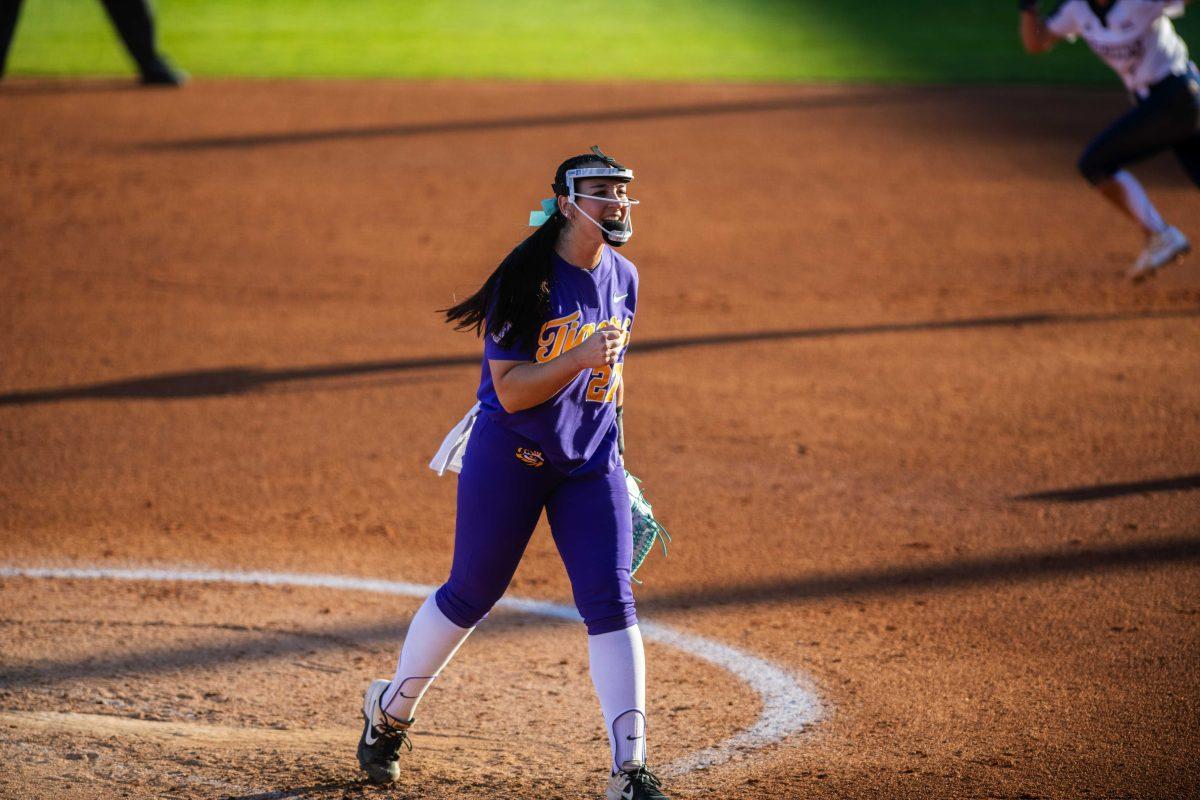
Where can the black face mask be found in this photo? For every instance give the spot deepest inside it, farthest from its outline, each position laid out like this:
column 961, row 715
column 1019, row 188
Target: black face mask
column 622, row 227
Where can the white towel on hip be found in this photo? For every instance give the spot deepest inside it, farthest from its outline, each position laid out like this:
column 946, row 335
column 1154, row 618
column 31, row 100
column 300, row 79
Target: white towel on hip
column 449, row 455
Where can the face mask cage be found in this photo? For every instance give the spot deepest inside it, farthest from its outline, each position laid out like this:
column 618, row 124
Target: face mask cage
column 616, row 232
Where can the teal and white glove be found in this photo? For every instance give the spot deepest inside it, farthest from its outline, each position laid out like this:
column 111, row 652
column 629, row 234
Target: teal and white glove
column 646, row 530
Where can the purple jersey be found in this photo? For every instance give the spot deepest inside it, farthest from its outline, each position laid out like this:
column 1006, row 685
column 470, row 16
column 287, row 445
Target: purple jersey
column 575, row 428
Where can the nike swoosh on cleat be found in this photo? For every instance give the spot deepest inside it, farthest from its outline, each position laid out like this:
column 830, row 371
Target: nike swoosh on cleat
column 632, row 738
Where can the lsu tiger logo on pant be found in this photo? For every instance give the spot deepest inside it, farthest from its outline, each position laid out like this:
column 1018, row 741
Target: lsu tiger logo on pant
column 533, row 458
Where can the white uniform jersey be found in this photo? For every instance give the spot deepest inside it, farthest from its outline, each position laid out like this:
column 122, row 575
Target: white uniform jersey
column 1135, row 37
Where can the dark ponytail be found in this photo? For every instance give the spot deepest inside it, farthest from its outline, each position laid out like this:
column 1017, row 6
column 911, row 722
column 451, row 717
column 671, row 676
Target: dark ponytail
column 515, row 300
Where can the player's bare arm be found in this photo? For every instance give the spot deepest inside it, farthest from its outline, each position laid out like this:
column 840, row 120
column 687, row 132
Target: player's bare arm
column 525, row 384
column 1035, row 36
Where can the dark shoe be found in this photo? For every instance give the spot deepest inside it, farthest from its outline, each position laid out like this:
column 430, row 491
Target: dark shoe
column 382, row 737
column 634, row 782
column 161, row 73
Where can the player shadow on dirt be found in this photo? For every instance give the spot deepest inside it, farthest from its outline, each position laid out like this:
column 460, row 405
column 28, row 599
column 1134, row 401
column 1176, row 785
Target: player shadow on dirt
column 841, row 99
column 225, row 381
column 40, row 87
column 963, row 572
column 328, row 788
column 243, row 380
column 298, row 647
column 1059, row 119
column 1106, row 491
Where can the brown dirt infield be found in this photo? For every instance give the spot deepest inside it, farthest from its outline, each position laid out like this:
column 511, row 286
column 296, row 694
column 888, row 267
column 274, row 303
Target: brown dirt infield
column 916, row 438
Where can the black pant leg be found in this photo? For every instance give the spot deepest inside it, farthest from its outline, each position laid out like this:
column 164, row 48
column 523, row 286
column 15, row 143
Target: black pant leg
column 1121, row 143
column 135, row 24
column 1157, row 123
column 1188, row 153
column 9, row 11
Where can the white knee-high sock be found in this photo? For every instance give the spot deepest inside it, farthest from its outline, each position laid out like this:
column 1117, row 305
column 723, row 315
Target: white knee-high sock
column 431, row 642
column 1138, row 203
column 618, row 666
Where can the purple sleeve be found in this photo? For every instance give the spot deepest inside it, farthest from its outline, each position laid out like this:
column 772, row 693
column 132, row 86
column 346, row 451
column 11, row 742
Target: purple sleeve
column 493, row 350
column 631, row 301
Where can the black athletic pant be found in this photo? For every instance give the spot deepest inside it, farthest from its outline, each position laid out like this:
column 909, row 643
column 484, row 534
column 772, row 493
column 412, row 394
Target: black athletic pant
column 1169, row 116
column 132, row 19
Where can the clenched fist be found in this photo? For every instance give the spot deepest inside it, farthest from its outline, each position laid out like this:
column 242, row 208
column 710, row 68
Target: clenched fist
column 600, row 349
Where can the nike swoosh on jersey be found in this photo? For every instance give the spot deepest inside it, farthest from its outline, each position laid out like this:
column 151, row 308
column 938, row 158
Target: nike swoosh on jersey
column 616, row 298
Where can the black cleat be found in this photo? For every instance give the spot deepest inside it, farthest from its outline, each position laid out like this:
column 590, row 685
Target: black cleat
column 160, row 73
column 382, row 737
column 634, row 782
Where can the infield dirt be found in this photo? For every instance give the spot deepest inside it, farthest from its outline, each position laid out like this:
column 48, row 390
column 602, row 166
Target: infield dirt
column 914, row 435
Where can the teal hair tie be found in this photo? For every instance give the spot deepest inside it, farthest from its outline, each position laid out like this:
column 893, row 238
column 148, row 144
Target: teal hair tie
column 538, row 218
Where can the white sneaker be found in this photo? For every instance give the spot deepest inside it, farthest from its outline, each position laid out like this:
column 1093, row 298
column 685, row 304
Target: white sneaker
column 1161, row 249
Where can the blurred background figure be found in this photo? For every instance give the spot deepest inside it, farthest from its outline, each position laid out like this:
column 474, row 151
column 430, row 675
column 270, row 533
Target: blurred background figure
column 1140, row 44
column 133, row 20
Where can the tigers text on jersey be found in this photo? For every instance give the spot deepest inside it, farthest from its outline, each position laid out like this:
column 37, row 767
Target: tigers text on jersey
column 1134, row 37
column 576, row 428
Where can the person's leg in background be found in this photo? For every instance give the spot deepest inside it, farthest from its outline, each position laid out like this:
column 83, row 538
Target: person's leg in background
column 1159, row 121
column 1188, row 151
column 10, row 10
column 134, row 22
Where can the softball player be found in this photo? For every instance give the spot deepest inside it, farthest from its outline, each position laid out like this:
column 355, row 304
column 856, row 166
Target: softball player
column 1135, row 38
column 555, row 317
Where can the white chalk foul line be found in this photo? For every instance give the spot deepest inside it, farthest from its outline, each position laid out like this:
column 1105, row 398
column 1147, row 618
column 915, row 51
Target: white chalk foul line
column 789, row 703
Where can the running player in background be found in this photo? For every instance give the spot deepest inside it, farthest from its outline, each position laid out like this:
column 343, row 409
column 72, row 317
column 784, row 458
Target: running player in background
column 134, row 21
column 555, row 318
column 1135, row 38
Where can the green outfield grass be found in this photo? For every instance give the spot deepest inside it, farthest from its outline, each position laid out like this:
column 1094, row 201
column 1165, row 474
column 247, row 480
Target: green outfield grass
column 743, row 40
